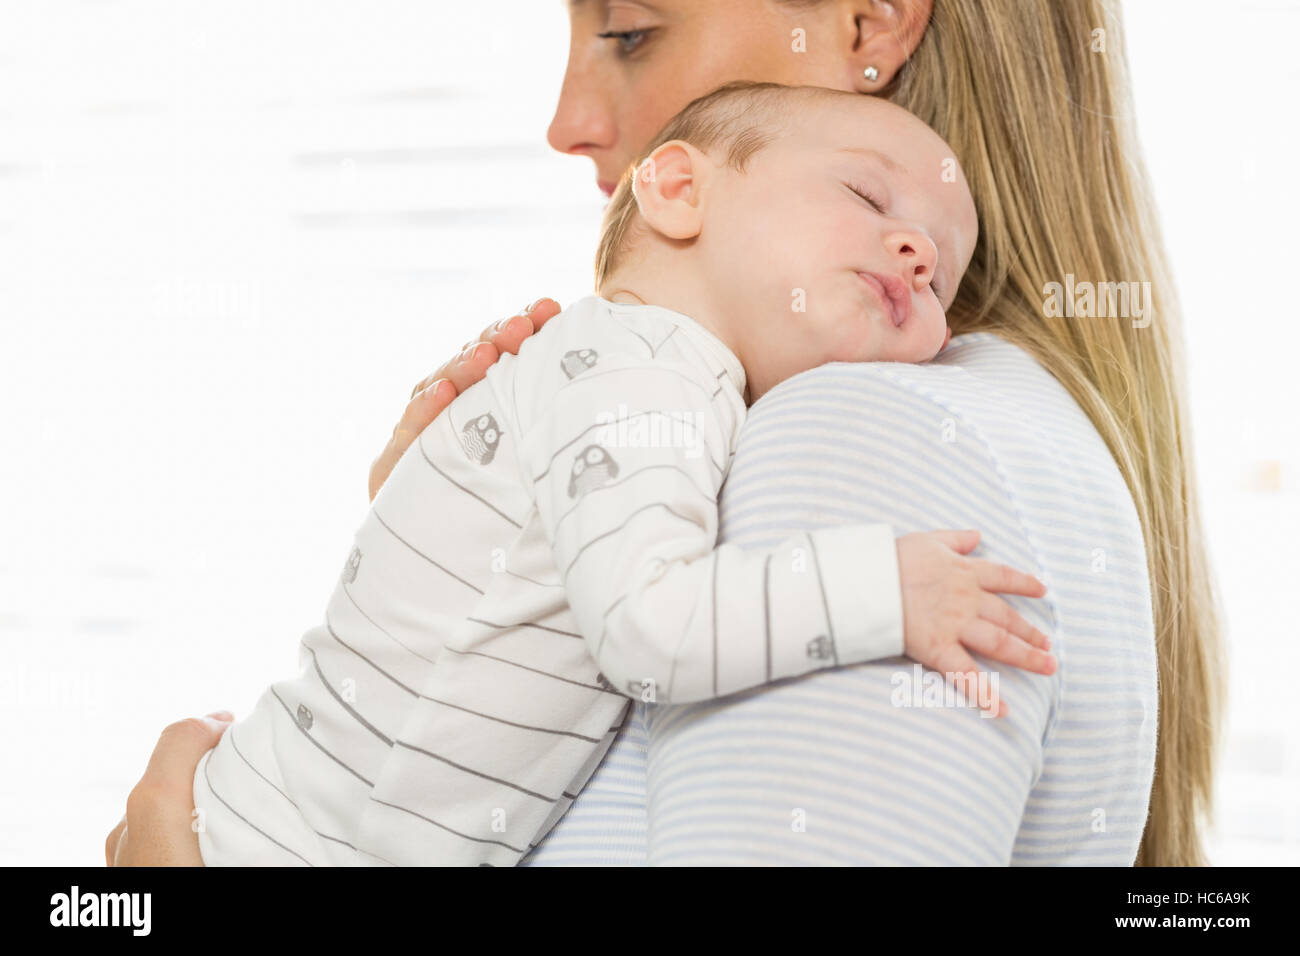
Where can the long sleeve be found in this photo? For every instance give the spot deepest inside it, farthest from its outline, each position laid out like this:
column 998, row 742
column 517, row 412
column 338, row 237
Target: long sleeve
column 626, row 464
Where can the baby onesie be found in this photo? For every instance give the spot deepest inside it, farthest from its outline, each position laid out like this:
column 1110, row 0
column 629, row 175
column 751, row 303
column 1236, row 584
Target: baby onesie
column 543, row 552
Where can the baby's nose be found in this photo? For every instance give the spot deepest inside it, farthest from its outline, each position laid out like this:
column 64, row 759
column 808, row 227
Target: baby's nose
column 918, row 254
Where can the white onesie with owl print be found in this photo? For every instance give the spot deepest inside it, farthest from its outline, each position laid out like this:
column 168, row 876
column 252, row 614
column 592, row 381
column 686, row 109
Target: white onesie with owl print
column 544, row 551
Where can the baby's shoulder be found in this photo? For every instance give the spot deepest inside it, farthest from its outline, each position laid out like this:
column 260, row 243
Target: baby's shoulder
column 595, row 349
column 592, row 327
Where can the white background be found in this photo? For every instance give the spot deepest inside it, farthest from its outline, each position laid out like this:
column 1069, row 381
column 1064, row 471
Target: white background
column 233, row 236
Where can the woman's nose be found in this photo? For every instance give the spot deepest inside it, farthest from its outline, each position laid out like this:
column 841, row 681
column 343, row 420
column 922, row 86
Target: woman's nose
column 916, row 254
column 583, row 123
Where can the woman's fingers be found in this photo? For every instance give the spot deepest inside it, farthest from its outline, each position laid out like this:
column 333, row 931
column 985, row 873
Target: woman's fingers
column 542, row 311
column 1006, row 580
column 510, row 333
column 160, row 808
column 433, row 393
column 993, row 608
column 471, row 365
column 178, row 751
column 999, row 644
column 113, row 841
column 419, row 412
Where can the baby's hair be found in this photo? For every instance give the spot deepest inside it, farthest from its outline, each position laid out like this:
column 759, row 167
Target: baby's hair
column 736, row 120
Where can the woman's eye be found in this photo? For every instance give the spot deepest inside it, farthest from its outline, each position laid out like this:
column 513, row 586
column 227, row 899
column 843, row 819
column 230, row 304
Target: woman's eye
column 628, row 40
column 874, row 203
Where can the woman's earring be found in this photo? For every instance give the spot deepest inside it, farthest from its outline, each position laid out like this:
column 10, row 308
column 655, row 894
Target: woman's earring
column 871, row 73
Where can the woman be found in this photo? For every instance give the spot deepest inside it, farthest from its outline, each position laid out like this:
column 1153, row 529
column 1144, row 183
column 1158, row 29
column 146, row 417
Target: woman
column 1063, row 439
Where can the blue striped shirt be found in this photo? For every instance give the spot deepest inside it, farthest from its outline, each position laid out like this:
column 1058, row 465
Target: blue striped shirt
column 844, row 766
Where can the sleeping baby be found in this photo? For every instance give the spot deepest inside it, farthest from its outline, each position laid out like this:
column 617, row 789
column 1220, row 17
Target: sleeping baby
column 547, row 549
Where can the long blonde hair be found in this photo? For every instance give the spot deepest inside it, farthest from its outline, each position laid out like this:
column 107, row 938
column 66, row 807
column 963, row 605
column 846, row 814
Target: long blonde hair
column 1034, row 98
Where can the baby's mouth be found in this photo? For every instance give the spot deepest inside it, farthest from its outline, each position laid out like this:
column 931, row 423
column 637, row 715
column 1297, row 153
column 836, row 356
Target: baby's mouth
column 892, row 292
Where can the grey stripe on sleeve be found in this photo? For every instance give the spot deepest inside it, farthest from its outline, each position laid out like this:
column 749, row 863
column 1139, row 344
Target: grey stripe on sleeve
column 334, row 634
column 443, row 826
column 609, row 424
column 821, row 584
column 626, row 522
column 380, row 628
column 710, row 498
column 323, row 836
column 467, row 491
column 344, row 704
column 511, row 723
column 476, row 773
column 250, row 823
column 604, row 628
column 502, row 660
column 315, row 743
column 423, row 555
column 540, row 584
column 539, row 627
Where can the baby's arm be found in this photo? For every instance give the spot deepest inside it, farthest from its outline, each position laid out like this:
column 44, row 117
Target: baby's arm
column 667, row 614
column 670, row 616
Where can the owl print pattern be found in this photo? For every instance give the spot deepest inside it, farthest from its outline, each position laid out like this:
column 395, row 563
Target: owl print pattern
column 480, row 438
column 592, row 468
column 577, row 361
column 350, row 569
column 820, row 648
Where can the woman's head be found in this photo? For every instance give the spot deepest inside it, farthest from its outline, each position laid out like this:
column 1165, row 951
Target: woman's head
column 633, row 65
column 1033, row 96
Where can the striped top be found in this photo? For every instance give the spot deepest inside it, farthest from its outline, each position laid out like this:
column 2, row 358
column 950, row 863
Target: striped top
column 544, row 551
column 841, row 766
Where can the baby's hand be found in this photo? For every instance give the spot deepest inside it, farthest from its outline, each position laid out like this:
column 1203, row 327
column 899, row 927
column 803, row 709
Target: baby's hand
column 949, row 607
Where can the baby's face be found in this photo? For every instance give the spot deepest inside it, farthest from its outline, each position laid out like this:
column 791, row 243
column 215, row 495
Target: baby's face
column 843, row 241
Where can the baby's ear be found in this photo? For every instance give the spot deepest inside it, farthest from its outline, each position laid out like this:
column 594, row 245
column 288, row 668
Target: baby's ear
column 668, row 187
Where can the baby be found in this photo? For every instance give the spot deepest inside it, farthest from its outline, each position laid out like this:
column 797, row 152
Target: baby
column 547, row 548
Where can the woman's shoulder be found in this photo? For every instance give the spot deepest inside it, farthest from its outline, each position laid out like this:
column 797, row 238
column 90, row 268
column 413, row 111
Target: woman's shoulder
column 984, row 413
column 979, row 379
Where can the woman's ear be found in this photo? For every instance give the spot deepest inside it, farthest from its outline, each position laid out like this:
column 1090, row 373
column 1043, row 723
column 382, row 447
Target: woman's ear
column 670, row 187
column 887, row 34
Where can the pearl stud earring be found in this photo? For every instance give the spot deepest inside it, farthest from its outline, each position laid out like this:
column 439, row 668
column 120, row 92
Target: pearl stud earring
column 871, row 73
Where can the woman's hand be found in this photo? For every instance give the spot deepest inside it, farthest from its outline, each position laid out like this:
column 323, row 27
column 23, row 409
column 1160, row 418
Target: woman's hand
column 156, row 830
column 436, row 391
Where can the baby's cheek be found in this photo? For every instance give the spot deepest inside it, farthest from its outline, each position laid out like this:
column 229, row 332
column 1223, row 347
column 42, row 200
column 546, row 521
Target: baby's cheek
column 932, row 330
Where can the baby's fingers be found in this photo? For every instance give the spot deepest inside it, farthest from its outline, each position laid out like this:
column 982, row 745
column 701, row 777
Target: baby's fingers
column 999, row 644
column 998, row 611
column 1007, row 580
column 960, row 670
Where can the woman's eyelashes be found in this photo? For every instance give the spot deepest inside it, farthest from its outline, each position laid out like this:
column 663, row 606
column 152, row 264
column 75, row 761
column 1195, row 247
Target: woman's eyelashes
column 629, row 41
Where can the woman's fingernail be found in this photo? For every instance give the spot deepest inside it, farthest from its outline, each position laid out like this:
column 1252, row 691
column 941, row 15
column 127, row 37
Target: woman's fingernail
column 477, row 352
column 224, row 716
column 534, row 304
column 501, row 326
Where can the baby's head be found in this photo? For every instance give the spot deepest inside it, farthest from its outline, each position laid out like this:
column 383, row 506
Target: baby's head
column 801, row 225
